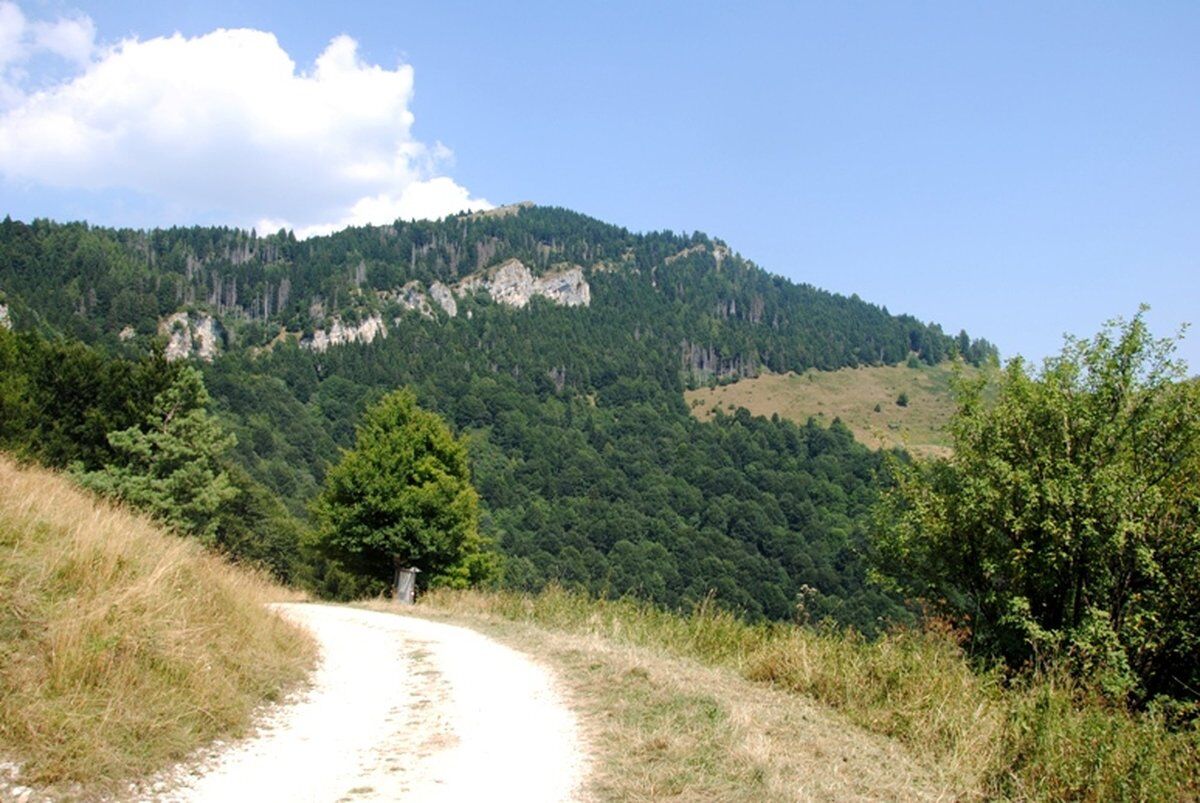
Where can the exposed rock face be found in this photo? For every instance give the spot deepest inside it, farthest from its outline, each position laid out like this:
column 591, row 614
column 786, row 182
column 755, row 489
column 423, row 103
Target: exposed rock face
column 567, row 288
column 126, row 334
column 339, row 333
column 505, row 211
column 720, row 253
column 4, row 322
column 444, row 298
column 411, row 298
column 196, row 335
column 512, row 284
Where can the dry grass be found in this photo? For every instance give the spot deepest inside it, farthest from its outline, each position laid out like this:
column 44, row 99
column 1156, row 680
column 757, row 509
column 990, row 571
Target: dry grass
column 851, row 394
column 123, row 648
column 907, row 694
column 662, row 727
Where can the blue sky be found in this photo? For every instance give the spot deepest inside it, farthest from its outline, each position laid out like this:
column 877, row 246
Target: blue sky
column 1020, row 170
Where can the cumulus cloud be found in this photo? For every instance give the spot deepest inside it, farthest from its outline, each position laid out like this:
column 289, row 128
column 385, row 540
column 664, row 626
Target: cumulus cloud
column 224, row 124
column 71, row 38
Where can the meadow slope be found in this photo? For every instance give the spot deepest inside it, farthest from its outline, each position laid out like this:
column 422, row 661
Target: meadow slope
column 864, row 398
column 125, row 648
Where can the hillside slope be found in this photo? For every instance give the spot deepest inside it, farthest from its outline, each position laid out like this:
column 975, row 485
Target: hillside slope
column 685, row 297
column 560, row 344
column 666, row 724
column 866, row 399
column 124, row 648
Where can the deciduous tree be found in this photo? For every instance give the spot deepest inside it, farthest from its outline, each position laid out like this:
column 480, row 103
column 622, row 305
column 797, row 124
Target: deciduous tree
column 1067, row 521
column 402, row 497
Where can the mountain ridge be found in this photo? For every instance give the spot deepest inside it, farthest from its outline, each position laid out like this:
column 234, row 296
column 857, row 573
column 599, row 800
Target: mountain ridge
column 128, row 280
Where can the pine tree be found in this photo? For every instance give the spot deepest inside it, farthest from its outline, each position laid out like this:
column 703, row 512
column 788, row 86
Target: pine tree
column 170, row 464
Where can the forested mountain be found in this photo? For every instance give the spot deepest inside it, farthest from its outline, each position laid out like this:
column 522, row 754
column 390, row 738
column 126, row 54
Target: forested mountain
column 560, row 344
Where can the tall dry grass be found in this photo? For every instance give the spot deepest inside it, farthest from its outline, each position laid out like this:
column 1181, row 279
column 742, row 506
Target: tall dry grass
column 1043, row 738
column 123, row 648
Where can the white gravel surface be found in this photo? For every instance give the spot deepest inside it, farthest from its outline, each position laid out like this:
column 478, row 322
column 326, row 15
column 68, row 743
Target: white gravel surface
column 402, row 709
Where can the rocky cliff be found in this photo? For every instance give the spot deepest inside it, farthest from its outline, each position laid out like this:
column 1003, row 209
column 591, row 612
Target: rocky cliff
column 191, row 335
column 340, row 333
column 513, row 284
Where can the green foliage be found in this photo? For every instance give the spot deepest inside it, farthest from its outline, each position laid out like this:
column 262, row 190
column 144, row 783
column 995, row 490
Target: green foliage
column 60, row 399
column 170, row 464
column 403, row 498
column 902, row 399
column 715, row 314
column 1066, row 523
column 59, row 403
column 590, row 471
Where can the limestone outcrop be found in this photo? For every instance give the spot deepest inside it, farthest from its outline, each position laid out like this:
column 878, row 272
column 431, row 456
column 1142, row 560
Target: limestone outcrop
column 340, row 333
column 510, row 283
column 443, row 296
column 196, row 335
column 513, row 284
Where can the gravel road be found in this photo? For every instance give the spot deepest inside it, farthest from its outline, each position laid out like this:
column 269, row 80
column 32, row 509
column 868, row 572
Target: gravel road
column 402, row 709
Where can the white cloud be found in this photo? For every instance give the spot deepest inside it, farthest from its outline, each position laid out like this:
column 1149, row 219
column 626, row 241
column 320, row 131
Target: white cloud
column 12, row 33
column 71, row 38
column 225, row 125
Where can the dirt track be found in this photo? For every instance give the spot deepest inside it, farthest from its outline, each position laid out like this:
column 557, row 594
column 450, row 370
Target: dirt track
column 403, row 709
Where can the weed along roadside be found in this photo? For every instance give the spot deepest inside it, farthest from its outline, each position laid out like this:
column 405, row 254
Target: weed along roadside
column 705, row 706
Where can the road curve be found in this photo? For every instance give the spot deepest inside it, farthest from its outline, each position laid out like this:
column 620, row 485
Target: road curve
column 402, row 708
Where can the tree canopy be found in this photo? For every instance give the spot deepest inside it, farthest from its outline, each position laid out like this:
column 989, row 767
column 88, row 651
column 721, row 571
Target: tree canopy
column 169, row 464
column 1067, row 521
column 402, row 497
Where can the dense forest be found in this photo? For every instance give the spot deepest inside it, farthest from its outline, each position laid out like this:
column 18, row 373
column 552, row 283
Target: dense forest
column 590, row 470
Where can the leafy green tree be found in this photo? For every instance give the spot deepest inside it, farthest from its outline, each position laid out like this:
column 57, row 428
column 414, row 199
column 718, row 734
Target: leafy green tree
column 170, row 464
column 1067, row 521
column 402, row 497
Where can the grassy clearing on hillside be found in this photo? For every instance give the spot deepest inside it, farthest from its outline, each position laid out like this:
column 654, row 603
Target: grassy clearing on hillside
column 1041, row 739
column 851, row 394
column 123, row 648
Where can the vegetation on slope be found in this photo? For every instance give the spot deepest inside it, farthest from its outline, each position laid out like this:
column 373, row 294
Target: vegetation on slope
column 684, row 295
column 591, row 472
column 1066, row 525
column 866, row 399
column 139, row 429
column 403, row 499
column 123, row 648
column 1043, row 737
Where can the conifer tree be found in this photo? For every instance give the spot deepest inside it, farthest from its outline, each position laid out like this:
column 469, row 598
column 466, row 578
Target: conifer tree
column 170, row 464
